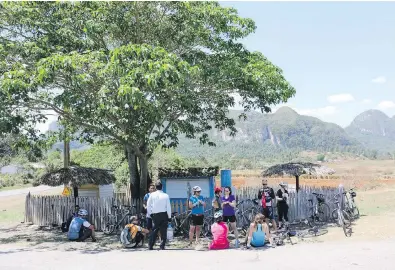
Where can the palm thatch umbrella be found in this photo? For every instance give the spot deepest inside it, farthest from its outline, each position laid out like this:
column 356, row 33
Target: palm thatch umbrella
column 77, row 176
column 297, row 169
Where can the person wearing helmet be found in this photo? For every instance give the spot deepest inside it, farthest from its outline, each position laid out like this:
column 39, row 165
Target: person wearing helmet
column 282, row 204
column 217, row 202
column 80, row 229
column 220, row 233
column 197, row 204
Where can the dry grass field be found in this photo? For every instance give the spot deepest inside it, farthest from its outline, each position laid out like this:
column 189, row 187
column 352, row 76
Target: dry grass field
column 362, row 174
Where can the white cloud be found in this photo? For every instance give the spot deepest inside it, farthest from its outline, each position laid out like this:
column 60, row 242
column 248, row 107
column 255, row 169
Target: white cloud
column 380, row 80
column 340, row 98
column 318, row 112
column 386, row 104
column 366, row 101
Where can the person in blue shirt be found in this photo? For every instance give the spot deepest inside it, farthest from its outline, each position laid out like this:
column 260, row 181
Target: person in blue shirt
column 80, row 229
column 259, row 232
column 145, row 199
column 197, row 204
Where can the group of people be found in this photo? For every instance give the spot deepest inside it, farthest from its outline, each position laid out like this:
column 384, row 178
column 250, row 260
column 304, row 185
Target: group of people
column 158, row 211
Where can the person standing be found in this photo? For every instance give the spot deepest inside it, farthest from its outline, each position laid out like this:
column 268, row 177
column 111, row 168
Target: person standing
column 217, row 201
column 282, row 204
column 267, row 196
column 145, row 200
column 229, row 205
column 159, row 209
column 197, row 204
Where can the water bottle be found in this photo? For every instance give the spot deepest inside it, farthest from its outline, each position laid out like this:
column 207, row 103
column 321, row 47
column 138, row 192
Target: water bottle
column 170, row 232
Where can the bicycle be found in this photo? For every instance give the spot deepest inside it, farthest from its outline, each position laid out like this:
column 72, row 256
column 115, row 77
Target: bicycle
column 116, row 221
column 350, row 205
column 244, row 215
column 342, row 217
column 320, row 212
column 180, row 223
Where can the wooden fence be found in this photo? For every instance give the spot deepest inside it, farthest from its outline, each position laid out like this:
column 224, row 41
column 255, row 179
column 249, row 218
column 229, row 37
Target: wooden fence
column 54, row 210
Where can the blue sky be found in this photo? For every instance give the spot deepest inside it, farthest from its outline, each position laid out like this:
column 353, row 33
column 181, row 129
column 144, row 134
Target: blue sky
column 340, row 56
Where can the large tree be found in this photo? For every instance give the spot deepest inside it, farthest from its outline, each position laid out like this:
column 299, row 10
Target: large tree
column 137, row 73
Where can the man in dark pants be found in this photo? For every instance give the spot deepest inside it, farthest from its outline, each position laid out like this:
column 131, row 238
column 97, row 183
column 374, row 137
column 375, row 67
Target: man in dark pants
column 159, row 209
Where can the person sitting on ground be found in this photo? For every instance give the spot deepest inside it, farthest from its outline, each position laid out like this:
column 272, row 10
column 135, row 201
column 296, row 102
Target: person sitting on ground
column 133, row 234
column 66, row 225
column 220, row 233
column 217, row 201
column 258, row 232
column 80, row 229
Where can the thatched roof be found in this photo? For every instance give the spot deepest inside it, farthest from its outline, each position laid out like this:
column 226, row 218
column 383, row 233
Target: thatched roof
column 77, row 176
column 297, row 169
column 188, row 172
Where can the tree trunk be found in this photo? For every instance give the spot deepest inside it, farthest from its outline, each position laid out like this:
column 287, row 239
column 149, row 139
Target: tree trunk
column 134, row 179
column 144, row 173
column 66, row 153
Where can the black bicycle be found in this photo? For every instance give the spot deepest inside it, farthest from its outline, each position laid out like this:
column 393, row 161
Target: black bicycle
column 320, row 212
column 114, row 222
column 349, row 204
column 181, row 223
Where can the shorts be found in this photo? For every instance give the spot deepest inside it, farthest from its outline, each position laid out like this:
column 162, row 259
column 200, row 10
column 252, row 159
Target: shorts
column 230, row 219
column 268, row 212
column 149, row 223
column 197, row 220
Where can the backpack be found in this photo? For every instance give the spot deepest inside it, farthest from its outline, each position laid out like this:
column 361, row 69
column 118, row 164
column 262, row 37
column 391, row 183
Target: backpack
column 131, row 236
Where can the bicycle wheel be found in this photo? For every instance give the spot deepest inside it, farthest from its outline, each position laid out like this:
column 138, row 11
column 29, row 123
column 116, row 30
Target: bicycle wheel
column 344, row 223
column 323, row 212
column 313, row 232
column 109, row 224
column 355, row 212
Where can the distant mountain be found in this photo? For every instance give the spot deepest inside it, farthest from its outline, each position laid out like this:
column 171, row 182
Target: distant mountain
column 269, row 134
column 375, row 130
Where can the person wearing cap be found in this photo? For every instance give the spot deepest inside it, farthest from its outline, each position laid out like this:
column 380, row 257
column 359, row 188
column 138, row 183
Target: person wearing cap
column 267, row 197
column 217, row 201
column 197, row 204
column 220, row 233
column 282, row 204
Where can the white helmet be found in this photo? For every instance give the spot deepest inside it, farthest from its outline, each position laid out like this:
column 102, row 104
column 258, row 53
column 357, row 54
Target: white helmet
column 82, row 212
column 196, row 189
column 283, row 184
column 218, row 214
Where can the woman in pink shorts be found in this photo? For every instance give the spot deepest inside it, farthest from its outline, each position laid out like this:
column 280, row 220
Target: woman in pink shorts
column 220, row 233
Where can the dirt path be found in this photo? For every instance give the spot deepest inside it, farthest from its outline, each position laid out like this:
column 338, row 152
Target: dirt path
column 335, row 255
column 21, row 191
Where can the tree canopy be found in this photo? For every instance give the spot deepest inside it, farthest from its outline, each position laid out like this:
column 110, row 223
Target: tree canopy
column 135, row 73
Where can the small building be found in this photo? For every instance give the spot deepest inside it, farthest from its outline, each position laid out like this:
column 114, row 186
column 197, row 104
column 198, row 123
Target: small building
column 178, row 183
column 83, row 182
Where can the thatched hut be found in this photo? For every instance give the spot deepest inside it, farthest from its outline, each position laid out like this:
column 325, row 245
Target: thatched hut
column 297, row 169
column 85, row 182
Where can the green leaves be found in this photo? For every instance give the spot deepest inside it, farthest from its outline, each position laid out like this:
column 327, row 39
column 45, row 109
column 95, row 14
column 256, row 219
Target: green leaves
column 137, row 73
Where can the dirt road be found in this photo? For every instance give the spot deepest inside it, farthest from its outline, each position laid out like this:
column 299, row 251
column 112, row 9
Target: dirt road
column 335, row 255
column 21, row 191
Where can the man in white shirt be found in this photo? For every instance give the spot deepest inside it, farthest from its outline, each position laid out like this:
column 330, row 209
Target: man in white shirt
column 159, row 209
